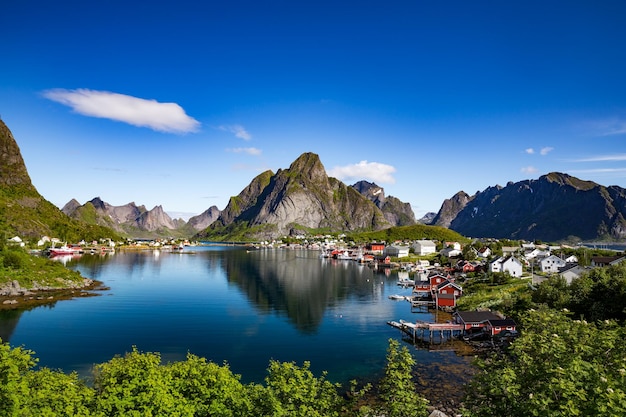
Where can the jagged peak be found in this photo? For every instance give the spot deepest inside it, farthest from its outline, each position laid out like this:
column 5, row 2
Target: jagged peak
column 308, row 164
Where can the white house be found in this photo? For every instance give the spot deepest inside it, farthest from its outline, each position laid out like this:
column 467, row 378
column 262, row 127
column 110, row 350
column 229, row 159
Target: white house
column 450, row 252
column 484, row 252
column 454, row 245
column 572, row 259
column 424, row 247
column 572, row 272
column 510, row 264
column 396, row 251
column 551, row 264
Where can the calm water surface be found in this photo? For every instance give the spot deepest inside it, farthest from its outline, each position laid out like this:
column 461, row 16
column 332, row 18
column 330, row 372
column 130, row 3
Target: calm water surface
column 225, row 304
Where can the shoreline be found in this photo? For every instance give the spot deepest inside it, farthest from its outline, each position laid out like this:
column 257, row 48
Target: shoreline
column 25, row 299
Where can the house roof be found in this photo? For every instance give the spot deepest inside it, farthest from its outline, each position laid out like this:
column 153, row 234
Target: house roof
column 477, row 316
column 607, row 259
column 502, row 322
column 450, row 283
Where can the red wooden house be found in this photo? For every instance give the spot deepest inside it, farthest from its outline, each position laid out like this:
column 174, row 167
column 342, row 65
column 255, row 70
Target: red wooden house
column 435, row 280
column 447, row 293
column 495, row 327
column 382, row 260
column 375, row 248
column 474, row 320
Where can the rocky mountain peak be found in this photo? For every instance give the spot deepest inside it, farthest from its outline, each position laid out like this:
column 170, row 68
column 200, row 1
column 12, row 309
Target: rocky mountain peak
column 372, row 191
column 300, row 197
column 12, row 168
column 309, row 166
column 205, row 219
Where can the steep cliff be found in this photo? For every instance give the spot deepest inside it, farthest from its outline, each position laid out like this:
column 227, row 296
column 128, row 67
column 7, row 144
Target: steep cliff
column 23, row 211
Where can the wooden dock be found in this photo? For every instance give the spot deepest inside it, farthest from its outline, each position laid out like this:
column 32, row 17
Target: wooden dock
column 427, row 332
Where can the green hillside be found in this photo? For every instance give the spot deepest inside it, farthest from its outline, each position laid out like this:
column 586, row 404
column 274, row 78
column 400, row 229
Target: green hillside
column 413, row 232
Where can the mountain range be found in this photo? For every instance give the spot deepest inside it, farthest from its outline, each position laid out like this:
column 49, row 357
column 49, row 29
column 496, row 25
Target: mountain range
column 303, row 198
column 137, row 221
column 553, row 207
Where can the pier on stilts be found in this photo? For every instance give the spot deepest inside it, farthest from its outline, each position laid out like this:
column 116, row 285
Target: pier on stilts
column 427, row 332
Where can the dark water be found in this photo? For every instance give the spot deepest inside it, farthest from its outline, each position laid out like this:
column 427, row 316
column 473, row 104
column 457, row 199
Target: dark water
column 226, row 304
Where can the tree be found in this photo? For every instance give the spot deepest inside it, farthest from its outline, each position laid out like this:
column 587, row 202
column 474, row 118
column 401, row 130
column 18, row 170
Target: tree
column 53, row 393
column 137, row 385
column 14, row 364
column 397, row 389
column 294, row 391
column 558, row 367
column 212, row 389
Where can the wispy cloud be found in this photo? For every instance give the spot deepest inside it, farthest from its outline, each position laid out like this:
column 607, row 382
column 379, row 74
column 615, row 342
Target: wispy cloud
column 237, row 130
column 546, row 150
column 599, row 171
column 609, row 127
column 162, row 117
column 373, row 171
column 603, row 158
column 529, row 151
column 249, row 151
column 529, row 170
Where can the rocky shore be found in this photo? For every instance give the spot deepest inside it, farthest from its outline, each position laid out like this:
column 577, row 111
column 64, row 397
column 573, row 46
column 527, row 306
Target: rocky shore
column 14, row 296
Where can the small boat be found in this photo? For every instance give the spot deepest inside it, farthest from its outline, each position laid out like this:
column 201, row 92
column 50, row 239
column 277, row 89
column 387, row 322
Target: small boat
column 62, row 250
column 406, row 282
column 397, row 297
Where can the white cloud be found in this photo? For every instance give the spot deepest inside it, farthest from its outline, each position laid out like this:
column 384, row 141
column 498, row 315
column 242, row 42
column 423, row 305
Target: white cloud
column 530, row 151
column 163, row 117
column 546, row 150
column 603, row 158
column 373, row 171
column 249, row 151
column 238, row 130
column 529, row 170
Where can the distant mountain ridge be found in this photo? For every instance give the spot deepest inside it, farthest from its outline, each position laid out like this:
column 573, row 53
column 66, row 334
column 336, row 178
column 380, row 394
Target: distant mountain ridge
column 136, row 221
column 299, row 198
column 554, row 207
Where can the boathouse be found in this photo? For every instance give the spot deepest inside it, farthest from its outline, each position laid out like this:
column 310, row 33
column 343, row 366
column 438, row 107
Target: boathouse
column 494, row 327
column 474, row 320
column 447, row 293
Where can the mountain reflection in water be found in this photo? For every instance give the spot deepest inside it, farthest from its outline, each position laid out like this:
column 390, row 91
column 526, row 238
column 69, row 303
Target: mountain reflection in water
column 225, row 304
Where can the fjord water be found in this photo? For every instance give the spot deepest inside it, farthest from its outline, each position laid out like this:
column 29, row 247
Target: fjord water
column 227, row 304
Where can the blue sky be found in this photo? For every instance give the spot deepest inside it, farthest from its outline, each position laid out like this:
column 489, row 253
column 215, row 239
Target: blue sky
column 182, row 103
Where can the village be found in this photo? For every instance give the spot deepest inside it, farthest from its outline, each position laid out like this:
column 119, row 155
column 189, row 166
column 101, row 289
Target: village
column 438, row 283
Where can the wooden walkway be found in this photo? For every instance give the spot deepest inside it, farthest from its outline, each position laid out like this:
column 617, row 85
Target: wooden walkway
column 426, row 332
